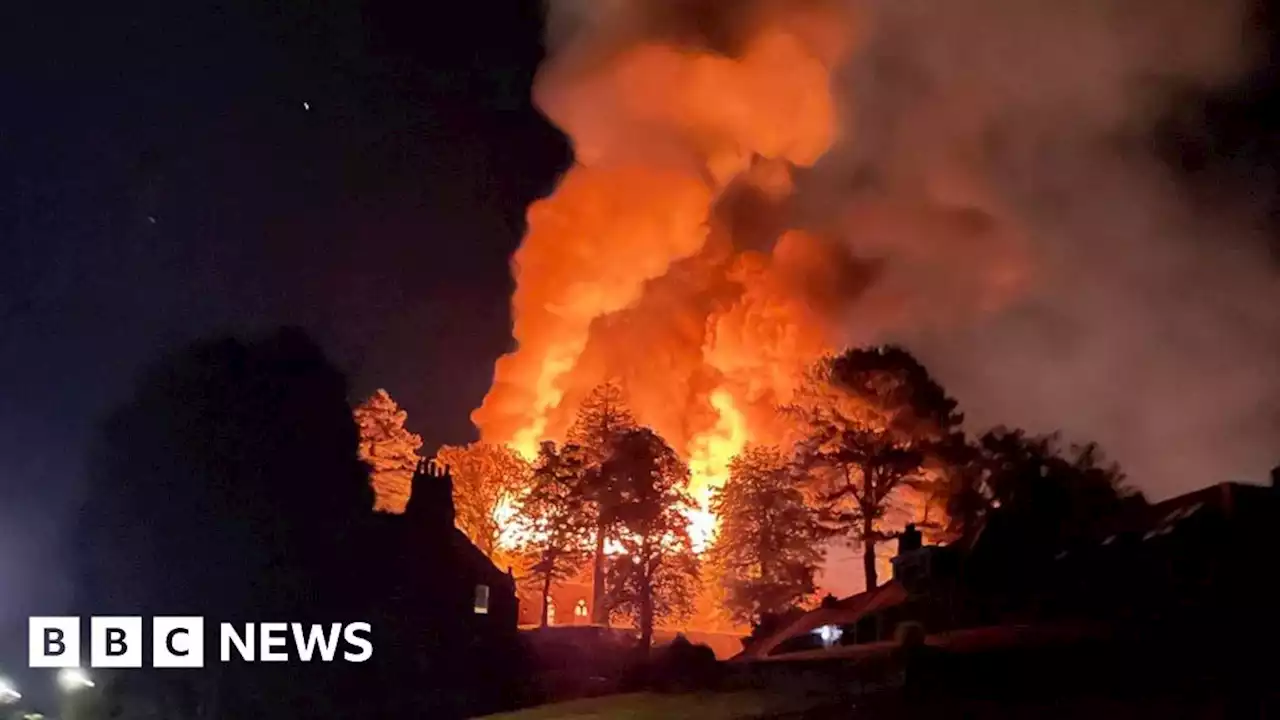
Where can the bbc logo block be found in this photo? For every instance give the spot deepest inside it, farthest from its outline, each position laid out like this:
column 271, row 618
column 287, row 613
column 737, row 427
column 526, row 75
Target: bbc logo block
column 179, row 642
column 53, row 642
column 115, row 642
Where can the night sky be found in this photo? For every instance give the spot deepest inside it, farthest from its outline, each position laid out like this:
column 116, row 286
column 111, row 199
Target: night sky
column 170, row 170
column 161, row 179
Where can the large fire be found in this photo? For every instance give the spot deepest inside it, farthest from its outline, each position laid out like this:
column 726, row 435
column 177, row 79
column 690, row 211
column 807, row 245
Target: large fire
column 664, row 259
column 747, row 169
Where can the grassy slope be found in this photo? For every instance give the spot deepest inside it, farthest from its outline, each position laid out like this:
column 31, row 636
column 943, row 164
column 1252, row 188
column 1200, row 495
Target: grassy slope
column 643, row 706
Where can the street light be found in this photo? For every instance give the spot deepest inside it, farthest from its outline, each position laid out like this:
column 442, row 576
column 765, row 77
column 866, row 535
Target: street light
column 73, row 679
column 8, row 693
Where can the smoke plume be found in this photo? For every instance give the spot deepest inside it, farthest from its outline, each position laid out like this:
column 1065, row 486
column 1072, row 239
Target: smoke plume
column 1092, row 295
column 759, row 182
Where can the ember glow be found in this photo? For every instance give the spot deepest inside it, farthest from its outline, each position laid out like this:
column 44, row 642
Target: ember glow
column 663, row 260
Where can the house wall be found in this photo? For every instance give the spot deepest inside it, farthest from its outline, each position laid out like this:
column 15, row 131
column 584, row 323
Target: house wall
column 571, row 601
column 439, row 654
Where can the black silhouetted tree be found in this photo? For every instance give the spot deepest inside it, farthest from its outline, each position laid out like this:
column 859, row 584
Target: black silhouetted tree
column 1052, row 494
column 229, row 485
column 872, row 419
column 557, row 520
column 770, row 542
column 655, row 576
column 390, row 450
column 602, row 418
column 488, row 482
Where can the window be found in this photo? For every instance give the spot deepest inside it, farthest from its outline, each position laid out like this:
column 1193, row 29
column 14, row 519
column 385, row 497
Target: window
column 551, row 611
column 580, row 610
column 482, row 599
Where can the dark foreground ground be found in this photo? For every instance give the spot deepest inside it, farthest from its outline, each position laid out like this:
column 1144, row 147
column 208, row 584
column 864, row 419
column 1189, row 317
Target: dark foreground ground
column 1093, row 677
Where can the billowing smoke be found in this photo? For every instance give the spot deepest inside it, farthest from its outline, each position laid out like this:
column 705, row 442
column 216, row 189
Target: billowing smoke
column 758, row 182
column 669, row 257
column 1099, row 299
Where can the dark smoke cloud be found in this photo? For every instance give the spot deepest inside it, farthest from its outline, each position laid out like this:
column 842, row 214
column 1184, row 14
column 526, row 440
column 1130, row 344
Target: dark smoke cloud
column 1086, row 292
column 997, row 165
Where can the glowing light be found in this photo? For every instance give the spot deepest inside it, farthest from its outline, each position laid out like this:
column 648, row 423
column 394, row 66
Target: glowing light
column 512, row 533
column 829, row 634
column 72, row 679
column 8, row 693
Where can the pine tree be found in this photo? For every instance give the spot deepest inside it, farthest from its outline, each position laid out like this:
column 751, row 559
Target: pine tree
column 559, row 520
column 602, row 418
column 872, row 420
column 488, row 482
column 770, row 541
column 656, row 576
column 389, row 449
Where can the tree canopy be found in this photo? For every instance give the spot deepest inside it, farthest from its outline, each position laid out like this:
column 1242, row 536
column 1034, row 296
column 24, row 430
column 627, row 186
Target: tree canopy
column 1053, row 494
column 242, row 456
column 602, row 418
column 488, row 481
column 557, row 519
column 655, row 577
column 390, row 450
column 229, row 485
column 871, row 419
column 770, row 541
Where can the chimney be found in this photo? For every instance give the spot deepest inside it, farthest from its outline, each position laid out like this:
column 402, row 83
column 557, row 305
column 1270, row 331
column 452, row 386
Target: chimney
column 1275, row 477
column 910, row 567
column 910, row 539
column 431, row 495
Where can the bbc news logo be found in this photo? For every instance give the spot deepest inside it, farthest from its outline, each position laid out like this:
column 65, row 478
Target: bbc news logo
column 178, row 642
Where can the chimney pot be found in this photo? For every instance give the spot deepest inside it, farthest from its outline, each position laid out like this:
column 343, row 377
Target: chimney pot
column 910, row 539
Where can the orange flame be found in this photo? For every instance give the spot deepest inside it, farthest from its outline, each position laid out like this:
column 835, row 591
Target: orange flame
column 709, row 457
column 663, row 258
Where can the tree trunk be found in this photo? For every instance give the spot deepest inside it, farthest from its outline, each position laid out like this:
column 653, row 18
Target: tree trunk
column 869, row 554
column 546, row 593
column 598, row 614
column 646, row 618
column 646, row 601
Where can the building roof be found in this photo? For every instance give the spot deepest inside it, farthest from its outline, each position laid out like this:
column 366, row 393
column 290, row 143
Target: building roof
column 966, row 640
column 844, row 612
column 1236, row 502
column 1233, row 502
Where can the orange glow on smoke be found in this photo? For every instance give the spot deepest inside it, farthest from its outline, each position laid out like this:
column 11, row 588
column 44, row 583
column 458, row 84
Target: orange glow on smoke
column 664, row 259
